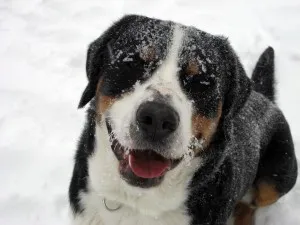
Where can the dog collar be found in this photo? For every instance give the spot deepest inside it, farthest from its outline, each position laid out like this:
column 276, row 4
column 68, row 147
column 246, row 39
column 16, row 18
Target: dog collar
column 112, row 206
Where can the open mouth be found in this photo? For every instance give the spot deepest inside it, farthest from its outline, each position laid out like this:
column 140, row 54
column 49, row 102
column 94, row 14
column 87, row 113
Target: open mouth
column 141, row 167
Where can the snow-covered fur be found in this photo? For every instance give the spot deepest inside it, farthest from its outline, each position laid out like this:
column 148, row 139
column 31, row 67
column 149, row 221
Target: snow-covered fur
column 230, row 140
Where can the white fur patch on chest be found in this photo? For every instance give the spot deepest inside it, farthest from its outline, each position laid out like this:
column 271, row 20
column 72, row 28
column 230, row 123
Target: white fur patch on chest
column 163, row 205
column 96, row 214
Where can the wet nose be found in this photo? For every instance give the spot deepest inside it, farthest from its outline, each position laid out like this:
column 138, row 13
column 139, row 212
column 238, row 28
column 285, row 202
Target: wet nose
column 156, row 120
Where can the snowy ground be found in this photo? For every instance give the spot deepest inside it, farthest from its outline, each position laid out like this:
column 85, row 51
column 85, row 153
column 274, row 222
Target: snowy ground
column 42, row 60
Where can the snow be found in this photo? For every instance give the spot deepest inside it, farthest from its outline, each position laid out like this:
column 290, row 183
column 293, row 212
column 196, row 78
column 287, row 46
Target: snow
column 42, row 64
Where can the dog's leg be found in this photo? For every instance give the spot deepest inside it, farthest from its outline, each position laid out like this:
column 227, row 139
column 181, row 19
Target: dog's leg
column 244, row 211
column 266, row 194
column 243, row 214
column 277, row 171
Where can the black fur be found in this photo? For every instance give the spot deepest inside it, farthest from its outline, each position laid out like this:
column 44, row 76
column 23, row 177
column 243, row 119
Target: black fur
column 98, row 54
column 280, row 143
column 277, row 163
column 263, row 74
column 80, row 172
column 253, row 142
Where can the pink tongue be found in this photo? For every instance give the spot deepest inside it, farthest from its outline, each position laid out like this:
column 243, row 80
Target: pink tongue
column 147, row 167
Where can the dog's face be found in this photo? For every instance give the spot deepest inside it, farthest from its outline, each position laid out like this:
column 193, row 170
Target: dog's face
column 160, row 90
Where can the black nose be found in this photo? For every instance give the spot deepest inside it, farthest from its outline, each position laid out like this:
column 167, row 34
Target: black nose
column 156, row 120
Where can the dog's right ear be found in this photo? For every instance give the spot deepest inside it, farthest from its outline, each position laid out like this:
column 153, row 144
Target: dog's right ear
column 98, row 53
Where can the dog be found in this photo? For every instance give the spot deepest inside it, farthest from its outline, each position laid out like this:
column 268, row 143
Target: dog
column 175, row 132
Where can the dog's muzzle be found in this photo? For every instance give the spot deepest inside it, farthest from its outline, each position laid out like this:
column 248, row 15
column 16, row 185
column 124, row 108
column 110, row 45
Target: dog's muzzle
column 145, row 163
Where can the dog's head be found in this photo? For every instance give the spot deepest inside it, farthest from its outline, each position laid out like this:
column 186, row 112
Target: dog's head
column 162, row 91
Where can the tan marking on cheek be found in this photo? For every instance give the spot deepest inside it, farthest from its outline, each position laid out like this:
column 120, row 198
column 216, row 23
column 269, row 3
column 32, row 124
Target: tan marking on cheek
column 265, row 194
column 103, row 102
column 192, row 68
column 243, row 214
column 148, row 54
column 204, row 128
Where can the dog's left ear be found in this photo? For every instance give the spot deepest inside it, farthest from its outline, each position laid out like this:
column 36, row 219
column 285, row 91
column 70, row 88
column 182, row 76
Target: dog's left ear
column 98, row 53
column 237, row 85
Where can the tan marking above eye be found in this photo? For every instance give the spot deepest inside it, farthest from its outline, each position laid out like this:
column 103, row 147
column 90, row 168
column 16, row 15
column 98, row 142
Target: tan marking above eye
column 148, row 53
column 205, row 128
column 193, row 68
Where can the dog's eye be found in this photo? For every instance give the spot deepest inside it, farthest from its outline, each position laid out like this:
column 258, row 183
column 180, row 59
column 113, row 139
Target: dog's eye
column 197, row 83
column 122, row 76
column 134, row 64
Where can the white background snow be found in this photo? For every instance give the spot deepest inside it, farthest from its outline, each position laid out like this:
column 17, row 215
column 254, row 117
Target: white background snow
column 42, row 75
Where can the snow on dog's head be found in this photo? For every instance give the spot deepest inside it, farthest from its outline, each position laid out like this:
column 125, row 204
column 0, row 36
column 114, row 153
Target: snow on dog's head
column 159, row 96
